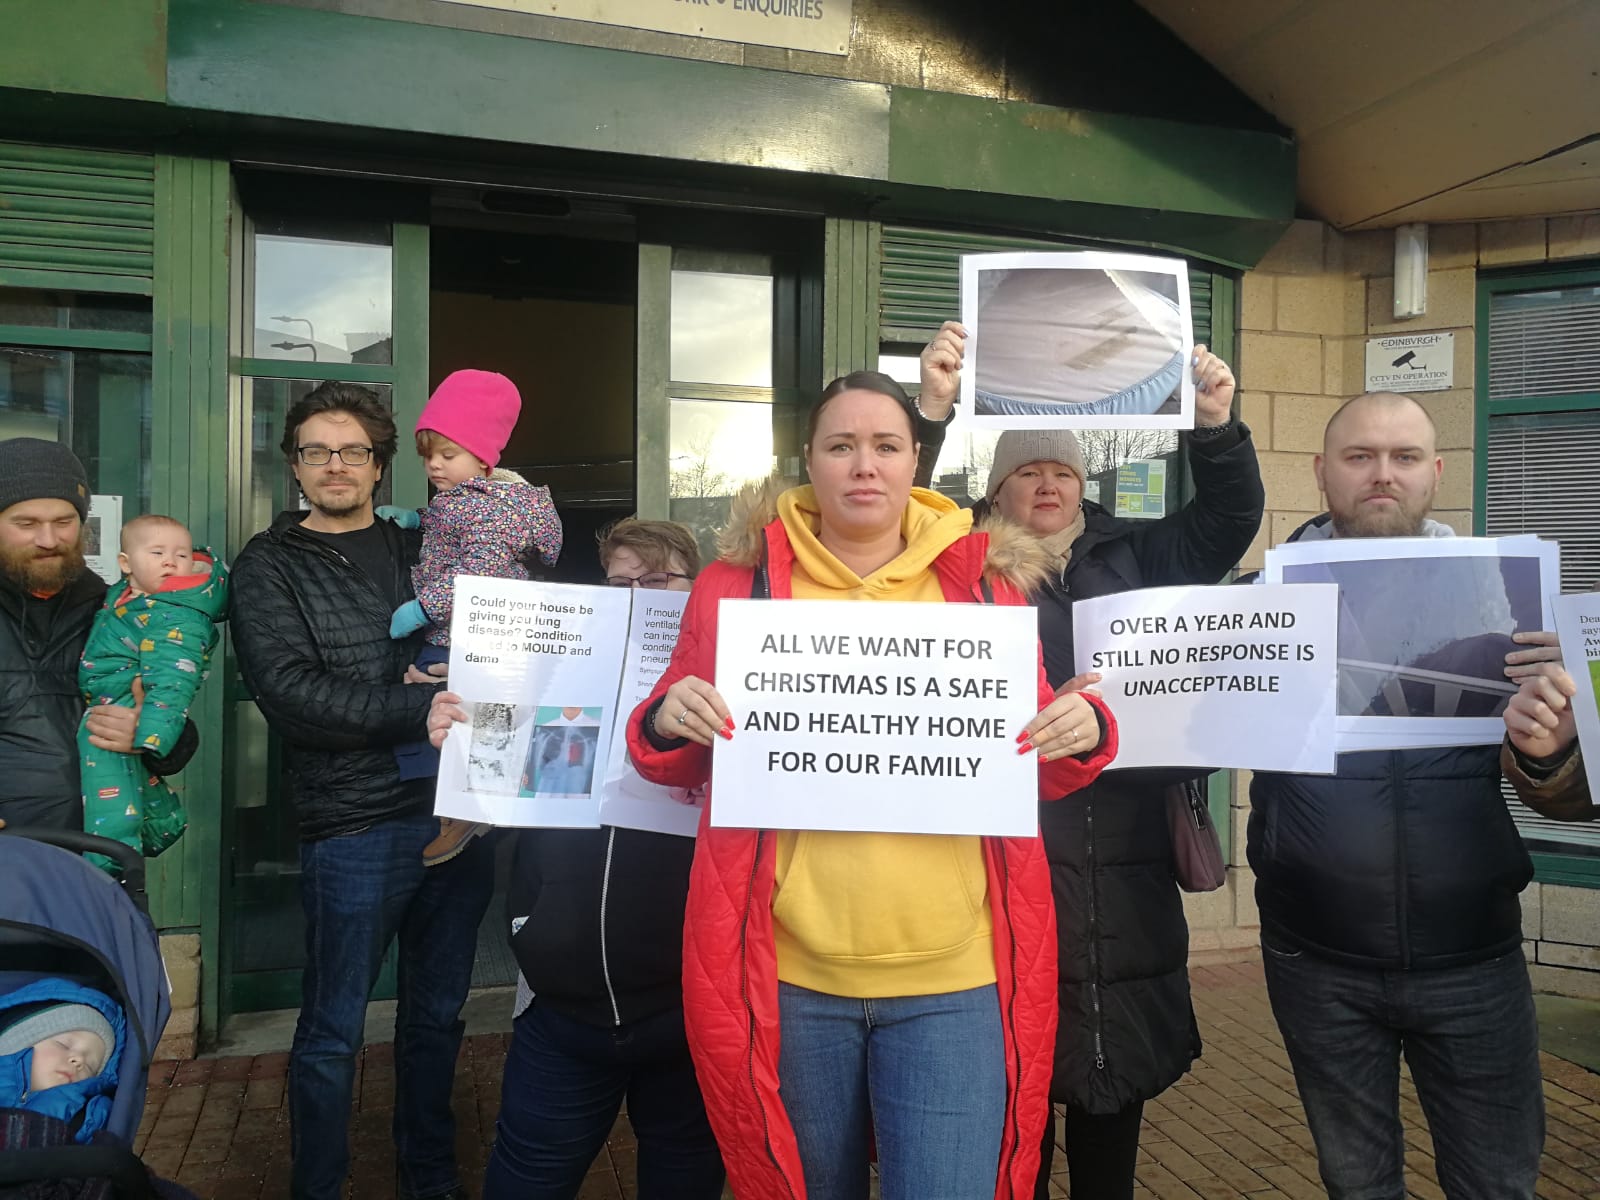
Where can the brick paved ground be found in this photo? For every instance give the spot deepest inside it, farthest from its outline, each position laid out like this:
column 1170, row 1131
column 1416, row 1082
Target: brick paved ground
column 1232, row 1128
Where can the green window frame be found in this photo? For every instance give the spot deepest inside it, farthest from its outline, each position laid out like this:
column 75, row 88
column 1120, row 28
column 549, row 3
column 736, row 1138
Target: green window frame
column 1580, row 865
column 407, row 371
column 135, row 481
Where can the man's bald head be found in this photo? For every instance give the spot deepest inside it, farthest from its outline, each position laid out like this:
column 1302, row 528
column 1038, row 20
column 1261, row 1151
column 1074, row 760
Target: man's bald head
column 1379, row 467
column 1370, row 402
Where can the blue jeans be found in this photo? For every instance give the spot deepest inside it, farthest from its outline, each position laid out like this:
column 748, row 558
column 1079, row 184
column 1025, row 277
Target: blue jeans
column 1469, row 1036
column 564, row 1083
column 925, row 1074
column 359, row 891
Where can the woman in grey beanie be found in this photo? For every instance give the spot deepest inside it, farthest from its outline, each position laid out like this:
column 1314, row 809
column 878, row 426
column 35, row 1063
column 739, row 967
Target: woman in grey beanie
column 1127, row 1029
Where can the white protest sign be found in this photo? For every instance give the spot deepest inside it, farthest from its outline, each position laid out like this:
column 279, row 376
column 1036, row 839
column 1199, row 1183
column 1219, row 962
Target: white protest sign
column 537, row 664
column 629, row 801
column 1217, row 676
column 896, row 718
column 1578, row 627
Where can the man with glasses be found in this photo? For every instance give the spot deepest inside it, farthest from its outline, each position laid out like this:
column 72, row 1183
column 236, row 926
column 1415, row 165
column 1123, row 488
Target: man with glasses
column 313, row 598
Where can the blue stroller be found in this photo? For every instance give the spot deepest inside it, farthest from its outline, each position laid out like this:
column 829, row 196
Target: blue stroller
column 63, row 918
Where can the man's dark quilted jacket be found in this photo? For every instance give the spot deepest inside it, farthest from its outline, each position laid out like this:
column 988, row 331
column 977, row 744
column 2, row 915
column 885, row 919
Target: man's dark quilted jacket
column 312, row 633
column 41, row 642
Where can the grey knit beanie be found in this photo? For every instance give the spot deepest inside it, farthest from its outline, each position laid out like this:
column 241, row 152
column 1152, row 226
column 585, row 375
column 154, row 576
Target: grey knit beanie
column 34, row 469
column 52, row 1019
column 1019, row 447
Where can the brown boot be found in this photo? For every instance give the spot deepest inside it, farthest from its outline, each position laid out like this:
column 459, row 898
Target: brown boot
column 452, row 840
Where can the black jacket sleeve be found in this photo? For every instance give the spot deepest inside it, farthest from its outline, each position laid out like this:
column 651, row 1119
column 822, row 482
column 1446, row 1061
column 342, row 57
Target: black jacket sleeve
column 930, row 440
column 301, row 698
column 178, row 757
column 1208, row 536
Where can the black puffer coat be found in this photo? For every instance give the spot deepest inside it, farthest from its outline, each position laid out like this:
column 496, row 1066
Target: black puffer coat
column 603, row 937
column 312, row 633
column 1127, row 1030
column 41, row 642
column 1405, row 859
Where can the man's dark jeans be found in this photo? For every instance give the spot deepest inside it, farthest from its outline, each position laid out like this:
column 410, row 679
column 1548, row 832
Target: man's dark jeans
column 359, row 891
column 1469, row 1036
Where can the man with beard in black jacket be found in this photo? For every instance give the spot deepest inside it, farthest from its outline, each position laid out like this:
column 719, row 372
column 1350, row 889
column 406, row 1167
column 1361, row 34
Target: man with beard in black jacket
column 48, row 600
column 1390, row 922
column 313, row 597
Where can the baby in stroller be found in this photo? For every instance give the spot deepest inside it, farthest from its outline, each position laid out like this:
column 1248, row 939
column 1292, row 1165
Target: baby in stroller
column 59, row 1044
column 83, row 1002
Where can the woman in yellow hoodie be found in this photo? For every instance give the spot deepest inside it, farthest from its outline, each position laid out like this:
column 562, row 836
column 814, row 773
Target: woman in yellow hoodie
column 837, row 985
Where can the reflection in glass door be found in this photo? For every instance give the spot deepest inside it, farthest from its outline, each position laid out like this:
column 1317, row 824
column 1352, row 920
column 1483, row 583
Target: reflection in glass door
column 726, row 394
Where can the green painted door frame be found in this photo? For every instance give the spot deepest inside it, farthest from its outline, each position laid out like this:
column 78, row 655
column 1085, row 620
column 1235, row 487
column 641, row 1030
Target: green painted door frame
column 189, row 459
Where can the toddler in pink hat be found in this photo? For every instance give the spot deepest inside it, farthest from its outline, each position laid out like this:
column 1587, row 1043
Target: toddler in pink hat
column 481, row 521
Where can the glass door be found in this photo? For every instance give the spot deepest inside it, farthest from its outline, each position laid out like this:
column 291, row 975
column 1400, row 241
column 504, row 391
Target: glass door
column 315, row 302
column 719, row 386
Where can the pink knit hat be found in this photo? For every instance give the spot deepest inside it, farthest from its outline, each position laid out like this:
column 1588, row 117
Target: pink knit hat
column 477, row 410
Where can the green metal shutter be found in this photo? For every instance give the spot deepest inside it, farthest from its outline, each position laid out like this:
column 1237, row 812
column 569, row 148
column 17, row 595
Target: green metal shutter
column 920, row 279
column 79, row 220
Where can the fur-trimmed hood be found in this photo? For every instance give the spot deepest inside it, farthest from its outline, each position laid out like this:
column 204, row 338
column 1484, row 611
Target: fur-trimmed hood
column 1013, row 555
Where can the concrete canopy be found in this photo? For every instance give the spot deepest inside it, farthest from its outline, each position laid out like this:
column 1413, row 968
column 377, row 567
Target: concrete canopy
column 1431, row 110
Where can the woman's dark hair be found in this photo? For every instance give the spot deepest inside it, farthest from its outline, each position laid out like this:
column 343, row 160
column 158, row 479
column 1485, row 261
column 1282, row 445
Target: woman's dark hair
column 361, row 403
column 863, row 381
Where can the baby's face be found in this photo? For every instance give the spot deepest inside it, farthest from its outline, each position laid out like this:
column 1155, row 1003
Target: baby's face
column 448, row 464
column 155, row 555
column 63, row 1058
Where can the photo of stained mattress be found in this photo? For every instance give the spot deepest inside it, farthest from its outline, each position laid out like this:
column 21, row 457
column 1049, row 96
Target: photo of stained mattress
column 1085, row 342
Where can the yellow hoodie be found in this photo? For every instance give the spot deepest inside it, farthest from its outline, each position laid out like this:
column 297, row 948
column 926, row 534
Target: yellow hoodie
column 872, row 915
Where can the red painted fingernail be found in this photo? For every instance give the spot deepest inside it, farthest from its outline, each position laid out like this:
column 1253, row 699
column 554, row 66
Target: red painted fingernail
column 1025, row 747
column 1044, row 758
column 1023, row 736
column 725, row 732
column 729, row 724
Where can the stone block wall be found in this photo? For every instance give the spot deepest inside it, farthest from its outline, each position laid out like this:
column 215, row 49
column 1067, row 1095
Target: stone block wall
column 180, row 954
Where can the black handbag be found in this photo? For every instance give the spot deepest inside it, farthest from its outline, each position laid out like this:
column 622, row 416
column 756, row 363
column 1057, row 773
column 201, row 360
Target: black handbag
column 1197, row 860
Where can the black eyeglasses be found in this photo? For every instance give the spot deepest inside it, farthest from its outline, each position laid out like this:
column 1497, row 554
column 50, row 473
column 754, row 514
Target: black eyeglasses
column 321, row 456
column 651, row 579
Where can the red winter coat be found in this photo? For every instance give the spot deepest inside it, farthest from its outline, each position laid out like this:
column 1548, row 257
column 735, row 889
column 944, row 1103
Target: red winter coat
column 730, row 976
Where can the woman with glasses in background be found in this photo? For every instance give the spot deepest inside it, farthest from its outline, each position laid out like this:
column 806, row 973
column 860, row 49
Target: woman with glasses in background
column 597, row 929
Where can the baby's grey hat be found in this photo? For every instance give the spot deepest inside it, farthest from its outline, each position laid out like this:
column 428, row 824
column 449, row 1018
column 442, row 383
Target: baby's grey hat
column 52, row 1019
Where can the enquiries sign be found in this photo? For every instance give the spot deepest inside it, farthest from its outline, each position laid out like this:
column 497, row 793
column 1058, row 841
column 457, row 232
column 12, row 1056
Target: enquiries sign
column 821, row 26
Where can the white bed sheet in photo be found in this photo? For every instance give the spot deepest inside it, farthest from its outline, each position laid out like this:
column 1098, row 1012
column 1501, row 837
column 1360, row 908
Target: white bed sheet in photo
column 1154, row 319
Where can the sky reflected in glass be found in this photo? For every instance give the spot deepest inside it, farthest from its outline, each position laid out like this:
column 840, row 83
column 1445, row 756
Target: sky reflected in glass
column 318, row 300
column 722, row 328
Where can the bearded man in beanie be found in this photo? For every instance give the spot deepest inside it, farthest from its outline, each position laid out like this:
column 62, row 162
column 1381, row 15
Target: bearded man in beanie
column 48, row 600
